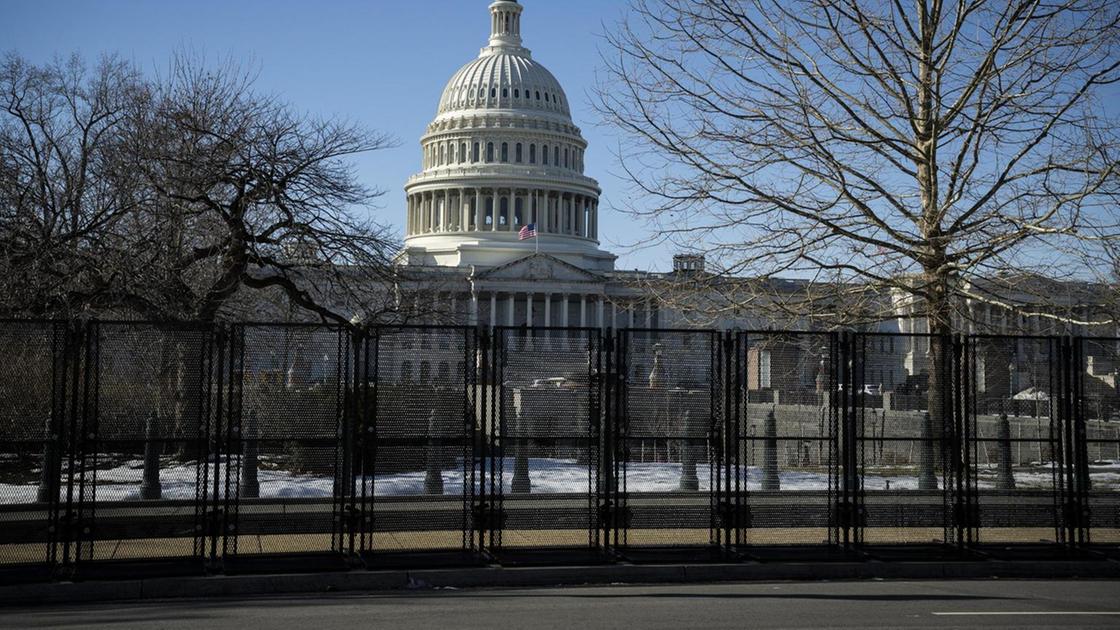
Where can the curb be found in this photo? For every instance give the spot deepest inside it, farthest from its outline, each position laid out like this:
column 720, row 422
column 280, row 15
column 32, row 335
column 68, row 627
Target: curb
column 490, row 577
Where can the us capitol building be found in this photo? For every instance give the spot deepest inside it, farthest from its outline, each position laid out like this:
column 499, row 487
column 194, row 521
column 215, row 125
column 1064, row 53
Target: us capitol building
column 501, row 154
column 504, row 153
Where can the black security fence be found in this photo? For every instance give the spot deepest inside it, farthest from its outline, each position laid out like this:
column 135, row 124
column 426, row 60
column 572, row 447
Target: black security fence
column 129, row 447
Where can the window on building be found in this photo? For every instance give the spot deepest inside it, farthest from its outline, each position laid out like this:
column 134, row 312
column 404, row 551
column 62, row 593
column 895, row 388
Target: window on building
column 532, row 154
column 518, row 153
column 474, row 157
column 544, row 154
column 505, row 152
column 565, row 157
column 489, row 151
column 556, row 156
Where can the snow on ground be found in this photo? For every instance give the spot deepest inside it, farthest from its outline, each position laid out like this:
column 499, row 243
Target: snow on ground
column 546, row 476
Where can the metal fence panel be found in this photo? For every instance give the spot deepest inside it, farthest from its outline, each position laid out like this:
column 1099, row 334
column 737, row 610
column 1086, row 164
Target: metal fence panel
column 284, row 461
column 670, row 411
column 549, row 433
column 419, row 473
column 136, row 464
column 900, row 397
column 783, row 472
column 1017, row 443
column 31, row 378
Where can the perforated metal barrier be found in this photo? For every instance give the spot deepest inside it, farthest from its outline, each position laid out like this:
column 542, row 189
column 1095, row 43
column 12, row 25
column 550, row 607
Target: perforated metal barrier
column 148, row 448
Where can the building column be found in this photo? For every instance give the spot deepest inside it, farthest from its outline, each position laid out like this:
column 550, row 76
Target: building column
column 633, row 312
column 512, row 308
column 649, row 313
column 579, row 215
column 529, row 309
column 547, row 310
column 583, row 311
column 601, row 319
column 564, row 311
column 493, row 309
column 474, row 309
column 494, row 209
column 614, row 315
column 478, row 209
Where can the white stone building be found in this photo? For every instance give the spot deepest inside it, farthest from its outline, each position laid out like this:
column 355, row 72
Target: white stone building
column 503, row 153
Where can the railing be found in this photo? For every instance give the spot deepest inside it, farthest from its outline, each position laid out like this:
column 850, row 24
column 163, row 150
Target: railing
column 131, row 447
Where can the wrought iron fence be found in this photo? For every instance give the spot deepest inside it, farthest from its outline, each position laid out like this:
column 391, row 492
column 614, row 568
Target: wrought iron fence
column 144, row 447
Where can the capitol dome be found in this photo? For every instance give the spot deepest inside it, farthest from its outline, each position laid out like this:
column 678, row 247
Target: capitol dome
column 502, row 154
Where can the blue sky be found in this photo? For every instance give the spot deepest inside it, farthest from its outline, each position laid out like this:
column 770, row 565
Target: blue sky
column 381, row 63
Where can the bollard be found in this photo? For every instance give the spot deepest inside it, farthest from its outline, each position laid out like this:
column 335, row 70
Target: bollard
column 249, row 487
column 927, row 478
column 770, row 477
column 50, row 472
column 433, row 480
column 150, row 487
column 1005, row 479
column 521, row 483
column 689, row 481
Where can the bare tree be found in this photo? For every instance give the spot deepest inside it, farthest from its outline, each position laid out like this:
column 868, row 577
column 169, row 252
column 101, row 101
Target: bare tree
column 871, row 147
column 190, row 196
column 245, row 194
column 59, row 206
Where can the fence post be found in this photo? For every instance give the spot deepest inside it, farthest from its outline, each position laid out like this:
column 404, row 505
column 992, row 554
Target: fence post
column 150, row 487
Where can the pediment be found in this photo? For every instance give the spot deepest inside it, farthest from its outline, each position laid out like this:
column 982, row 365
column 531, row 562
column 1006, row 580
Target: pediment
column 541, row 267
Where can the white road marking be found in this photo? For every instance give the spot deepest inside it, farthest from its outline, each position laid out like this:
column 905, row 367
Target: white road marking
column 1007, row 614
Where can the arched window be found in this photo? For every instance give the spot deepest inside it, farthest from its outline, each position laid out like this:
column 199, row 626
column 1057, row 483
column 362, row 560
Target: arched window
column 544, row 154
column 441, row 155
column 481, row 92
column 474, row 158
column 516, row 93
column 493, row 92
column 503, row 214
column 505, row 152
column 556, row 155
column 546, row 99
column 517, row 153
column 489, row 151
column 532, row 154
column 505, row 92
column 462, row 152
column 565, row 157
column 538, row 95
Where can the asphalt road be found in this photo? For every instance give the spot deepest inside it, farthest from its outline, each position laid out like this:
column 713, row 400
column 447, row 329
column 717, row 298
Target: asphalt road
column 865, row 605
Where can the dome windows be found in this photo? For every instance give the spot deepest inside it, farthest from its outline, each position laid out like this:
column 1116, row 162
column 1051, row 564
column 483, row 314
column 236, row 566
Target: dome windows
column 517, row 153
column 532, row 154
column 505, row 152
column 489, row 152
column 544, row 154
column 475, row 156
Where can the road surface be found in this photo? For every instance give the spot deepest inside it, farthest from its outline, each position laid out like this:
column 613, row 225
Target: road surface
column 865, row 605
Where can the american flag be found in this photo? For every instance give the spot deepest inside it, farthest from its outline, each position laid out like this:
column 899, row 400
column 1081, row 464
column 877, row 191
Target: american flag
column 527, row 232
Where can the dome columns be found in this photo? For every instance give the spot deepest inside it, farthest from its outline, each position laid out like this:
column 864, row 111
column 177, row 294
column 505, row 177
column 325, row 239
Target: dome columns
column 502, row 209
